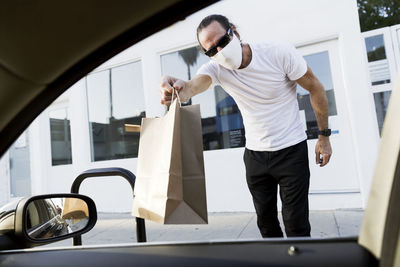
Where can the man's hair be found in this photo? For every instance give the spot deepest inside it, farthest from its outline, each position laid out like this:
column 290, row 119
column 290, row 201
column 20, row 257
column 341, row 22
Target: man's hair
column 211, row 18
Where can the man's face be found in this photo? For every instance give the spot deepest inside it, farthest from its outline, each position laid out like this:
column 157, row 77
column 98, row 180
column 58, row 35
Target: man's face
column 211, row 35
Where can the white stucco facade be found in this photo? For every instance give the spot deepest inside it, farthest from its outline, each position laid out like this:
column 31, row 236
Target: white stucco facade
column 313, row 26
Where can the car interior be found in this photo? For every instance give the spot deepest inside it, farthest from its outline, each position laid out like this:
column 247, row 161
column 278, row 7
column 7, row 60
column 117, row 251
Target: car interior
column 47, row 46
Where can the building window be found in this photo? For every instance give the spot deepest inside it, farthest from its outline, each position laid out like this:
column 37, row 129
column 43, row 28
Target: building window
column 381, row 105
column 60, row 137
column 20, row 169
column 115, row 98
column 222, row 123
column 320, row 65
column 378, row 64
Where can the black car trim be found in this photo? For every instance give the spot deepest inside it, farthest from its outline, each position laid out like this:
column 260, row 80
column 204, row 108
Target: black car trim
column 298, row 240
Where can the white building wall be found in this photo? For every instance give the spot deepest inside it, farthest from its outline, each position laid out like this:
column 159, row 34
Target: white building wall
column 325, row 22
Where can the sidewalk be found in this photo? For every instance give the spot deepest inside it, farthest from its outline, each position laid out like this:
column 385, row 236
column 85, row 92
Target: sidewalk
column 114, row 228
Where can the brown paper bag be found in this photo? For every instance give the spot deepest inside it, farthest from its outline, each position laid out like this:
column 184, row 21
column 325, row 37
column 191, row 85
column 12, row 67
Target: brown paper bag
column 75, row 208
column 170, row 181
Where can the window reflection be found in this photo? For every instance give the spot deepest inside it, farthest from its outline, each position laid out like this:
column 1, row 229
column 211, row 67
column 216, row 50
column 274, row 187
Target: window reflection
column 60, row 137
column 320, row 65
column 377, row 62
column 381, row 105
column 375, row 48
column 222, row 123
column 115, row 98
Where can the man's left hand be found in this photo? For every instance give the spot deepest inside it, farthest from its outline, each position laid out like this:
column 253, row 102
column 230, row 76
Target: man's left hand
column 323, row 151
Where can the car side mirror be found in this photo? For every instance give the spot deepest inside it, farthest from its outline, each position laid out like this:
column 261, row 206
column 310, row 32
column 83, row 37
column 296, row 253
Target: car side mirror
column 45, row 219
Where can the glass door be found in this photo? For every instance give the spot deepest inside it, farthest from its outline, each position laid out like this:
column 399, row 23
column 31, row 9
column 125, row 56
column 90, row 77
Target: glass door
column 340, row 175
column 382, row 69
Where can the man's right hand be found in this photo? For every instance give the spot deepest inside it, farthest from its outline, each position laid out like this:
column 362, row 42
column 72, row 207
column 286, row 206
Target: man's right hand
column 168, row 83
column 186, row 90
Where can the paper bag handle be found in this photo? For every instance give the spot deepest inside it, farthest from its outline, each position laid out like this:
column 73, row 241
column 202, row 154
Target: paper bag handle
column 177, row 96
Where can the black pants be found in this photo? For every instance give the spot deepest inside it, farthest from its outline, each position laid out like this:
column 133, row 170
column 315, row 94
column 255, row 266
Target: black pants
column 289, row 169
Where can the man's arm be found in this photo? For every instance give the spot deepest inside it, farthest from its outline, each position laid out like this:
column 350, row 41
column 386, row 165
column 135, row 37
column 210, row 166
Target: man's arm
column 186, row 90
column 320, row 106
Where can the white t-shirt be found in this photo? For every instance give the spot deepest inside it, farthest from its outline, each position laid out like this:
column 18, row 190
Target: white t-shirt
column 265, row 92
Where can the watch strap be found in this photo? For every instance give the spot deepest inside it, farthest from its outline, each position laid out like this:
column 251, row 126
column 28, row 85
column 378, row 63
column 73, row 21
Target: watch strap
column 325, row 132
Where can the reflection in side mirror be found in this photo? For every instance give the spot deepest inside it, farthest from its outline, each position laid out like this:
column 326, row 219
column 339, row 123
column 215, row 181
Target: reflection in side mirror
column 55, row 217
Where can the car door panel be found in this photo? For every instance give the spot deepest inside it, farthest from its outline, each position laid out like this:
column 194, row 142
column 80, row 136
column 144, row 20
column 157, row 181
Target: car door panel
column 327, row 252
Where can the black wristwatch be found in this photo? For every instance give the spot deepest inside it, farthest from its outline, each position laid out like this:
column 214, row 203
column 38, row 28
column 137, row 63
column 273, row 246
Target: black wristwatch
column 325, row 132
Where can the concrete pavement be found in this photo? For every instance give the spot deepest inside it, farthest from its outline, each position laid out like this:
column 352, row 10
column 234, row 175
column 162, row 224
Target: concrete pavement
column 115, row 228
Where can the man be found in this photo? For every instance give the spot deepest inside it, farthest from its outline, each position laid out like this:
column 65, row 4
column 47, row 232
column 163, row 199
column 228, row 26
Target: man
column 262, row 79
